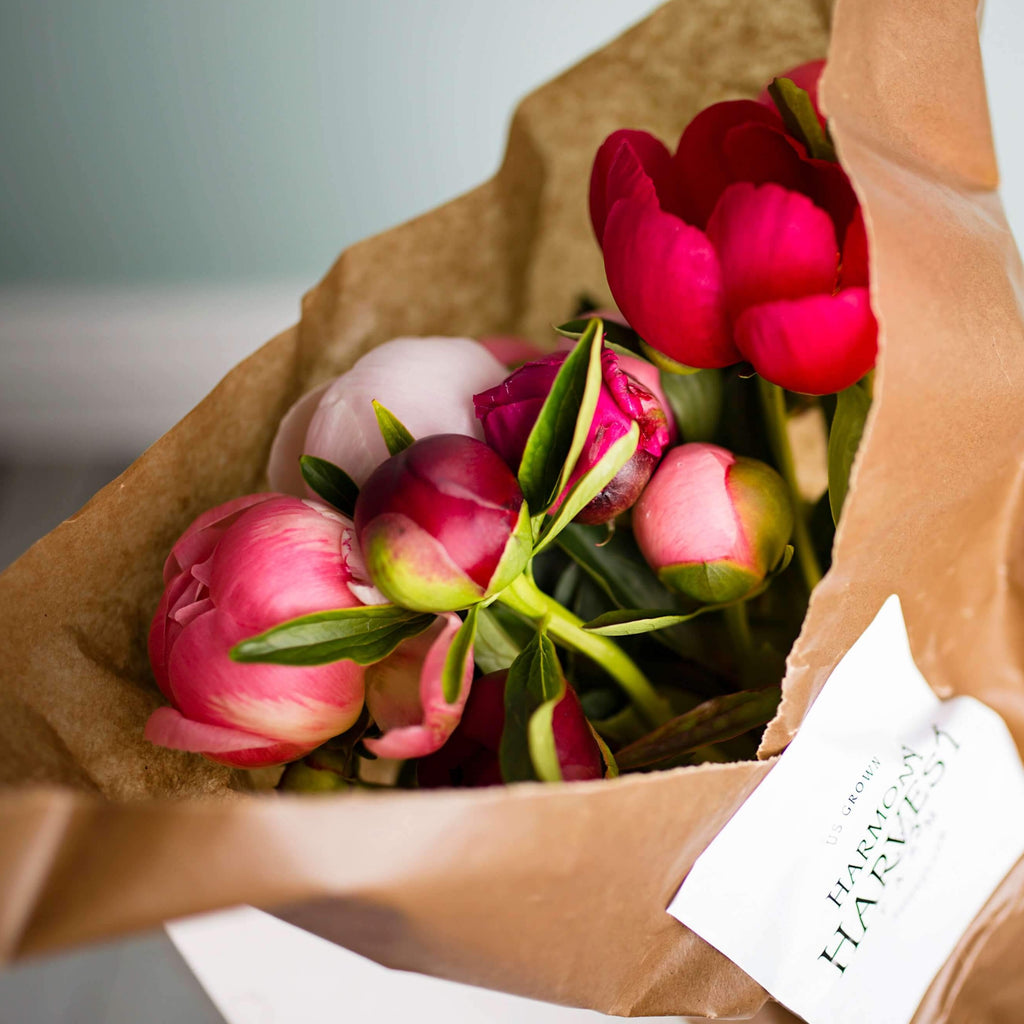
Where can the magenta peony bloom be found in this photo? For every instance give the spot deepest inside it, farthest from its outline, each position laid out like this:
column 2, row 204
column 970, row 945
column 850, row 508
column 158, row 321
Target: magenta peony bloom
column 443, row 524
column 428, row 383
column 740, row 246
column 509, row 411
column 713, row 524
column 239, row 569
column 470, row 757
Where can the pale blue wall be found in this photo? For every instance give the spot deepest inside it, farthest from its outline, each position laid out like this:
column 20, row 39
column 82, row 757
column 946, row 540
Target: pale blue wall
column 185, row 140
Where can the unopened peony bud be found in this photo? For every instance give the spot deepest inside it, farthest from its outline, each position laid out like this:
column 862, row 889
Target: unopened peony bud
column 443, row 524
column 509, row 411
column 713, row 524
column 471, row 756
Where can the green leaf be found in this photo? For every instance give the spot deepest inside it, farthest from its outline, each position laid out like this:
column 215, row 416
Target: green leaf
column 800, row 118
column 557, row 437
column 543, row 751
column 714, row 721
column 534, row 682
column 567, row 584
column 617, row 567
column 495, row 648
column 364, row 634
column 852, row 407
column 458, row 653
column 395, row 435
column 696, row 402
column 620, row 572
column 591, row 484
column 783, row 564
column 631, row 621
column 331, row 482
column 615, row 334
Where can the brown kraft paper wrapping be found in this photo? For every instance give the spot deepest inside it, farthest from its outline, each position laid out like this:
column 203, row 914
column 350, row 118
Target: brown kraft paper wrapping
column 549, row 891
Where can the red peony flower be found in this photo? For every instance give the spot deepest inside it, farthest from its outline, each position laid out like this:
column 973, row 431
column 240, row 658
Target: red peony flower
column 740, row 246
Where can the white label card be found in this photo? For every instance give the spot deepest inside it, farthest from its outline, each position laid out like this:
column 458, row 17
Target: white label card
column 844, row 882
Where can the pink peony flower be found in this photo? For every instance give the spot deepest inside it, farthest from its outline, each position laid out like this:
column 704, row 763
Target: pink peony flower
column 239, row 569
column 509, row 411
column 428, row 383
column 712, row 524
column 470, row 757
column 740, row 246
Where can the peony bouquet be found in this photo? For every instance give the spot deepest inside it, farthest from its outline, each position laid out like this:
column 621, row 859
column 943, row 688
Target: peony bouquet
column 423, row 543
column 440, row 525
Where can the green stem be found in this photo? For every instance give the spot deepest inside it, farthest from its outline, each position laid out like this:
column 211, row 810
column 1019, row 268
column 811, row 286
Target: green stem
column 773, row 400
column 739, row 629
column 526, row 598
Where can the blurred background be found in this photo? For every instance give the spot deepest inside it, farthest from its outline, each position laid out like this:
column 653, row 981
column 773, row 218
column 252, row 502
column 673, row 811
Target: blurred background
column 173, row 176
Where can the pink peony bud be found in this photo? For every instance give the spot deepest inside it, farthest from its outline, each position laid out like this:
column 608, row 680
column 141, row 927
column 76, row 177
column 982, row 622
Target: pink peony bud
column 428, row 383
column 443, row 524
column 713, row 524
column 470, row 757
column 509, row 411
column 239, row 569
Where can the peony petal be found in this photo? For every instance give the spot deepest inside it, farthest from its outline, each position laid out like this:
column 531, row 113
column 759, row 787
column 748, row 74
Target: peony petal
column 629, row 164
column 404, row 694
column 579, row 756
column 512, row 351
column 816, row 346
column 830, row 188
column 702, row 168
column 280, row 560
column 289, row 445
column 666, row 280
column 509, row 410
column 772, row 244
column 360, row 583
column 290, row 704
column 762, row 153
column 650, row 376
column 804, row 76
column 854, row 271
column 169, row 728
column 161, row 637
column 428, row 383
column 198, row 542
